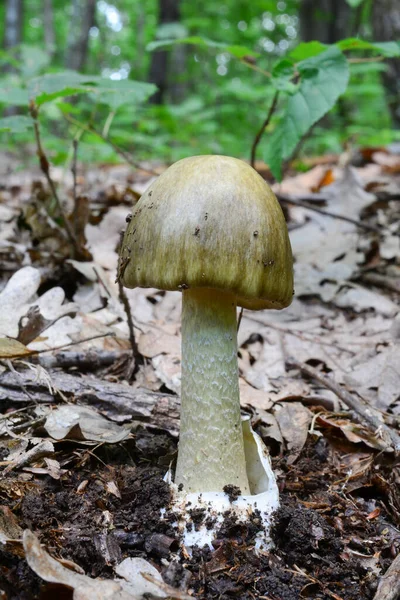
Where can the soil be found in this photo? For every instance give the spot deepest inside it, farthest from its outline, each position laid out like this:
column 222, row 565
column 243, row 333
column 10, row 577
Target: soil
column 107, row 505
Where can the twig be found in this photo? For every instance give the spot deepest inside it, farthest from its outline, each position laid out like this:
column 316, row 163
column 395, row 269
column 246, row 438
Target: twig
column 389, row 585
column 89, row 339
column 73, row 169
column 318, row 582
column 45, row 167
column 138, row 359
column 368, row 413
column 327, row 213
column 262, row 129
column 256, row 68
column 118, row 150
column 239, row 319
column 19, row 380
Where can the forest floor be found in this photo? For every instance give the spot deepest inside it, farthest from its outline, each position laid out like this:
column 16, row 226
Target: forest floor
column 88, row 428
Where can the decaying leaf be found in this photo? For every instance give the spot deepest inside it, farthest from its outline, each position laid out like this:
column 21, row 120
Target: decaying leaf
column 83, row 423
column 294, row 420
column 10, row 348
column 40, row 449
column 137, row 577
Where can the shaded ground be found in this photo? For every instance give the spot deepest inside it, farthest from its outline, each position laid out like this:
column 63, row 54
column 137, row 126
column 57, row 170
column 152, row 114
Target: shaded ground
column 329, row 544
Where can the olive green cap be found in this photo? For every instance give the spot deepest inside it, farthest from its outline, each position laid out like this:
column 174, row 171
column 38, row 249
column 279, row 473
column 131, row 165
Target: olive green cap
column 210, row 222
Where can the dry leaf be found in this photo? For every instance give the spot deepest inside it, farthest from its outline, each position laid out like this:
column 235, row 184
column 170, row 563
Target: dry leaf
column 294, row 420
column 83, row 423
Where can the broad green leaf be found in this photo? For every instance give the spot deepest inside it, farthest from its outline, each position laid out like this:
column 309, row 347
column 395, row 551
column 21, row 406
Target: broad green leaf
column 323, row 79
column 354, row 3
column 56, row 85
column 237, row 51
column 125, row 91
column 32, row 61
column 16, row 123
column 282, row 74
column 68, row 83
column 14, row 96
column 388, row 49
column 306, row 50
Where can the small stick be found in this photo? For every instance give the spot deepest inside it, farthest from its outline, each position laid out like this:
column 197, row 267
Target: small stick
column 389, row 585
column 262, row 129
column 73, row 169
column 45, row 167
column 135, row 350
column 371, row 415
column 107, row 140
column 327, row 213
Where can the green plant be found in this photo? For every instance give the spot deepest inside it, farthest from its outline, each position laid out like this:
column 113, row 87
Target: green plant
column 307, row 83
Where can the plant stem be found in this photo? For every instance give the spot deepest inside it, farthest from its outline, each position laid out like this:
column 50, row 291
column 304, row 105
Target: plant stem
column 211, row 451
column 262, row 129
column 45, row 167
column 118, row 150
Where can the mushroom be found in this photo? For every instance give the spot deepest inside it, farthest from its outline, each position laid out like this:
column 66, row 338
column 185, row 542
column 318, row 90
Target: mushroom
column 210, row 227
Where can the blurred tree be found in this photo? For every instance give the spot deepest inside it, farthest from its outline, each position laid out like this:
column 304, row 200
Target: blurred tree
column 82, row 19
column 386, row 27
column 169, row 13
column 49, row 32
column 325, row 20
column 13, row 23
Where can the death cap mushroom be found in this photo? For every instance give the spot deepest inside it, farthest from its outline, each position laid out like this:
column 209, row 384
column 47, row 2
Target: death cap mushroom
column 210, row 222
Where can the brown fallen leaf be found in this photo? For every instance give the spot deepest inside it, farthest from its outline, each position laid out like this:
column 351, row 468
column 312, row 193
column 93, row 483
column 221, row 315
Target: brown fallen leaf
column 294, row 420
column 83, row 423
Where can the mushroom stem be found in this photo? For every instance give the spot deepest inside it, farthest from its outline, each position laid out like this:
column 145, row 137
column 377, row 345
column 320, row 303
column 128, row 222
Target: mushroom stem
column 211, row 451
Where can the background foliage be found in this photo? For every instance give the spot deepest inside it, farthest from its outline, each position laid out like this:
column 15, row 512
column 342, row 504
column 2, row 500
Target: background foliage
column 217, row 70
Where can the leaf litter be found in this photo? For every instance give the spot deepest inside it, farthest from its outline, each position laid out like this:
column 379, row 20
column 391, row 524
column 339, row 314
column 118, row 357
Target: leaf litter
column 83, row 447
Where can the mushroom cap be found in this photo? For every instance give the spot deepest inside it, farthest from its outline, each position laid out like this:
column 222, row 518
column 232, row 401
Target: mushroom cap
column 210, row 222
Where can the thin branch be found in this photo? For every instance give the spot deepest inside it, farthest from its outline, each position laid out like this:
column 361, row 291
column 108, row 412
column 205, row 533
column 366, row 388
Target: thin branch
column 45, row 167
column 138, row 359
column 368, row 413
column 73, row 170
column 118, row 150
column 255, row 68
column 327, row 213
column 262, row 129
column 389, row 585
column 239, row 319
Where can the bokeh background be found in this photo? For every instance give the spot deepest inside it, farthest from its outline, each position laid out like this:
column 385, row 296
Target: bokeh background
column 208, row 99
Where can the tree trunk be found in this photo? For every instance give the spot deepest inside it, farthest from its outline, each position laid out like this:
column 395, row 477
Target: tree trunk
column 325, row 20
column 169, row 12
column 13, row 23
column 49, row 33
column 386, row 28
column 82, row 19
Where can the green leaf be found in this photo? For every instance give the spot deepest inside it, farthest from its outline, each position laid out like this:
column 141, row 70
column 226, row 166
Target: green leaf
column 354, row 3
column 125, row 91
column 57, row 85
column 323, row 79
column 388, row 49
column 237, row 51
column 16, row 123
column 14, row 96
column 32, row 61
column 306, row 50
column 282, row 74
column 68, row 83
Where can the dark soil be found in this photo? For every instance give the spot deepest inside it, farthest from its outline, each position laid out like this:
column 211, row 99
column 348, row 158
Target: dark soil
column 103, row 510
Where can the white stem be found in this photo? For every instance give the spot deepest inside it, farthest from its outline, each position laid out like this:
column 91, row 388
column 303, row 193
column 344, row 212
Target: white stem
column 211, row 452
